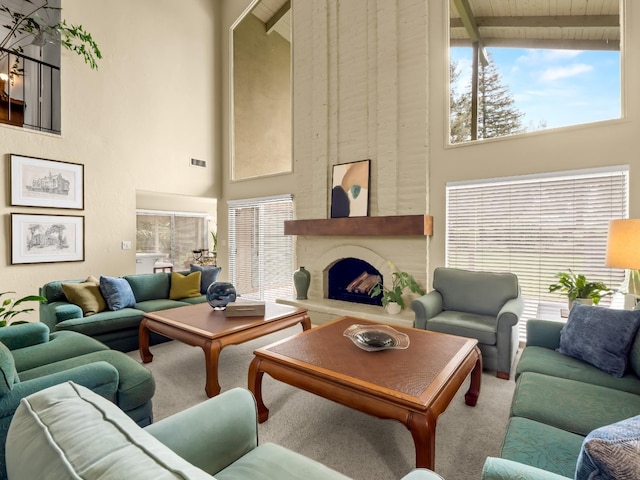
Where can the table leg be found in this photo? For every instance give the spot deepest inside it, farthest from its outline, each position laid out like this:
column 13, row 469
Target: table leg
column 255, row 385
column 211, row 356
column 306, row 322
column 423, row 431
column 143, row 342
column 471, row 397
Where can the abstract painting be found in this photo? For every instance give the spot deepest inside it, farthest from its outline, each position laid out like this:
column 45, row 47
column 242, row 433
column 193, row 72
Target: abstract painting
column 350, row 189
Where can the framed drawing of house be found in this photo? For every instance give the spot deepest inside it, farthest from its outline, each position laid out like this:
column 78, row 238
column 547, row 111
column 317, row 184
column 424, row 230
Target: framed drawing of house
column 36, row 182
column 46, row 238
column 350, row 189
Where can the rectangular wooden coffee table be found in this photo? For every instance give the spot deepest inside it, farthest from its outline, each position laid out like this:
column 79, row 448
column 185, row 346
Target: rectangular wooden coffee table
column 413, row 386
column 202, row 326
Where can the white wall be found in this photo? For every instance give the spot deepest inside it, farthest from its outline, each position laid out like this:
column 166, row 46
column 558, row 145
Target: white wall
column 135, row 123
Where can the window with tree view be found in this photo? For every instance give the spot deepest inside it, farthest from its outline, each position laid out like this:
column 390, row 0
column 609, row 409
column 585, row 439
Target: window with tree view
column 518, row 67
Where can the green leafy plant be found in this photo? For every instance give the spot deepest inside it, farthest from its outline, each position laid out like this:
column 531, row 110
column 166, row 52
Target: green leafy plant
column 576, row 286
column 401, row 281
column 214, row 238
column 8, row 309
column 32, row 26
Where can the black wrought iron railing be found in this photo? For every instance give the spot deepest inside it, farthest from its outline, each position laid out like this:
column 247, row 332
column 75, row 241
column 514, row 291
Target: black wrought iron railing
column 29, row 92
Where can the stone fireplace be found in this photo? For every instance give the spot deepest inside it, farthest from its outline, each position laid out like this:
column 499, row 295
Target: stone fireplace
column 351, row 280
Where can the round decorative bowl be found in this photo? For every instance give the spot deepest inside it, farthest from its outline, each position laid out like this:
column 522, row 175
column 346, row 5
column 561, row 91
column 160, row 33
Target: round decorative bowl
column 221, row 293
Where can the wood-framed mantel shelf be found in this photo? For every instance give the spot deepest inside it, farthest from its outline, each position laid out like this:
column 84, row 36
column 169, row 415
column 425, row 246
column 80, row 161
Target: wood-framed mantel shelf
column 397, row 226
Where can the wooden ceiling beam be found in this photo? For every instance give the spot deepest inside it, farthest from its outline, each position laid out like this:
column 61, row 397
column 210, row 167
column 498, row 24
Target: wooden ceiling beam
column 282, row 11
column 562, row 21
column 468, row 20
column 559, row 44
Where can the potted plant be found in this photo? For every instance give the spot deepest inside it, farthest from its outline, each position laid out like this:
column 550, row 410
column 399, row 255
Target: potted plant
column 393, row 295
column 577, row 287
column 8, row 307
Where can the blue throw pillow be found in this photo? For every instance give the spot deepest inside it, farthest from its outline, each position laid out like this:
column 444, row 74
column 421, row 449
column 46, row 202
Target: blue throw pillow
column 600, row 336
column 208, row 275
column 117, row 292
column 611, row 452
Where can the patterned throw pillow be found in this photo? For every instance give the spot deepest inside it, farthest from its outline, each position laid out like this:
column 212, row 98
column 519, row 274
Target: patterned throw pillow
column 611, row 452
column 600, row 336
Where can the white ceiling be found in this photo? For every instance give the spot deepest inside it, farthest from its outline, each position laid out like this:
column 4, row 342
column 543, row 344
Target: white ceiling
column 266, row 10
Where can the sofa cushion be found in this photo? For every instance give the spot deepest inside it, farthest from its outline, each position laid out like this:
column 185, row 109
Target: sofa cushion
column 86, row 295
column 484, row 293
column 611, row 452
column 103, row 322
column 576, row 407
column 550, row 362
column 8, row 370
column 600, row 336
column 149, row 286
column 117, row 292
column 481, row 327
column 160, row 304
column 273, row 461
column 542, row 446
column 209, row 274
column 184, row 286
column 66, row 425
column 634, row 355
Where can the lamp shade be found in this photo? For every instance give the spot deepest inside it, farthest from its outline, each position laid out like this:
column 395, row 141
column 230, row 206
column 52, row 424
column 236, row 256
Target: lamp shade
column 623, row 244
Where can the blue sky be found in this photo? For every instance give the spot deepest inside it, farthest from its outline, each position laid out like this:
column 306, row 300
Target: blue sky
column 561, row 87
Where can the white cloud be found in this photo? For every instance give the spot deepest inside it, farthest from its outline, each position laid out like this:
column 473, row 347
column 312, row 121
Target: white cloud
column 538, row 56
column 555, row 73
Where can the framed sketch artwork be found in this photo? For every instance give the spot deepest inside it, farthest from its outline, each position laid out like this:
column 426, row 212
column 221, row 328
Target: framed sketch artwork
column 36, row 182
column 46, row 238
column 350, row 189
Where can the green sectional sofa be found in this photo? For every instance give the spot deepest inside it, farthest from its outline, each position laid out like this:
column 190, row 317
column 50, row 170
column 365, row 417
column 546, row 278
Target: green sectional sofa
column 32, row 359
column 69, row 432
column 558, row 401
column 118, row 329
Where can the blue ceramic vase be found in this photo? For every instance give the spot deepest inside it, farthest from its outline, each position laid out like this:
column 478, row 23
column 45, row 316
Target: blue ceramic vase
column 220, row 293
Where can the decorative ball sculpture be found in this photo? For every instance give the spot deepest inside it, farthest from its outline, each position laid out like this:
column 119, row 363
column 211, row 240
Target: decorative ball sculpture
column 220, row 293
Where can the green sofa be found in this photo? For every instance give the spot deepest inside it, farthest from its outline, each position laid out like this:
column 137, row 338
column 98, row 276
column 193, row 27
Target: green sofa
column 32, row 359
column 558, row 401
column 116, row 329
column 67, row 431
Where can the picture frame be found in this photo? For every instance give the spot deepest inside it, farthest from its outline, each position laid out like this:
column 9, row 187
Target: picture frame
column 350, row 189
column 37, row 182
column 44, row 238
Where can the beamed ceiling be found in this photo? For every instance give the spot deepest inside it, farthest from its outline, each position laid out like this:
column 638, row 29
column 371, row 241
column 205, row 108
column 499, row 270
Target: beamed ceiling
column 555, row 24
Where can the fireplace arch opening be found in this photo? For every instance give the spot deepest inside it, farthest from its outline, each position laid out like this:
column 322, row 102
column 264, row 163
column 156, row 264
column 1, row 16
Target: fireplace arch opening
column 351, row 279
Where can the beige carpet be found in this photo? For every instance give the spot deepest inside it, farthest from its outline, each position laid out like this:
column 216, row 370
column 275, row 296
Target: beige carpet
column 355, row 444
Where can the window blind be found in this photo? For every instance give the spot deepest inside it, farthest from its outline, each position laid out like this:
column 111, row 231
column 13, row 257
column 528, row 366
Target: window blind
column 260, row 254
column 535, row 227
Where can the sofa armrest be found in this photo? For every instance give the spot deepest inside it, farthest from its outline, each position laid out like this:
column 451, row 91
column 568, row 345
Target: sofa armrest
column 213, row 434
column 544, row 333
column 426, row 307
column 501, row 469
column 55, row 312
column 101, row 377
column 24, row 335
column 510, row 313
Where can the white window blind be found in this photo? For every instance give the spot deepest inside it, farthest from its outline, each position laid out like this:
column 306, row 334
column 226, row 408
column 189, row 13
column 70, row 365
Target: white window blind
column 260, row 254
column 535, row 227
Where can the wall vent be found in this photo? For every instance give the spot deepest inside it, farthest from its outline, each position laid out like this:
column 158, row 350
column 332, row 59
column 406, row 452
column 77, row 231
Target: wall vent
column 198, row 163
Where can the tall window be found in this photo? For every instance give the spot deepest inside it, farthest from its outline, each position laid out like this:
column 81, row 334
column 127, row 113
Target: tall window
column 537, row 226
column 260, row 254
column 174, row 234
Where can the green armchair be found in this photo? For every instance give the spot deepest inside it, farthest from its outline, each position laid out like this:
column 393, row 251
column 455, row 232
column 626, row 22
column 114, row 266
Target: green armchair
column 32, row 359
column 482, row 305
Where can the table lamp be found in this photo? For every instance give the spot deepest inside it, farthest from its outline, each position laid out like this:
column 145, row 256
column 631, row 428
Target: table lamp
column 623, row 250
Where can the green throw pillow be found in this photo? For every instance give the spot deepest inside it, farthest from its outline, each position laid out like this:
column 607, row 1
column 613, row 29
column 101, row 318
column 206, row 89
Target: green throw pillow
column 184, row 286
column 86, row 295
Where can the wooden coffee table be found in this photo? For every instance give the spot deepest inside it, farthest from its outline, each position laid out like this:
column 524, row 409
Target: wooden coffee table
column 413, row 386
column 202, row 326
